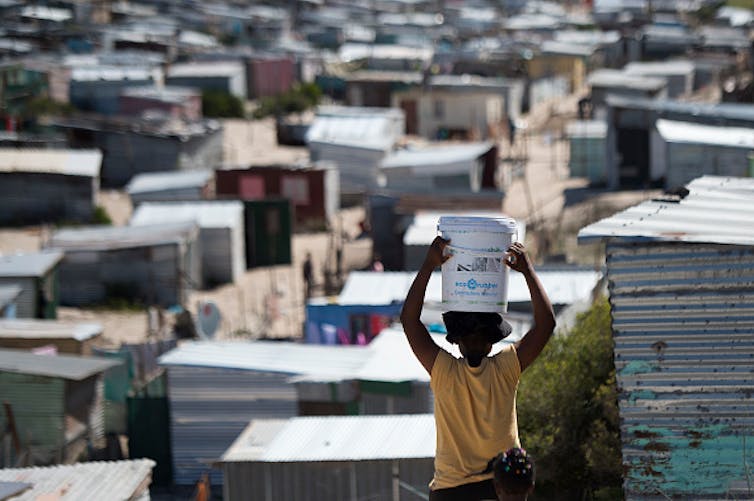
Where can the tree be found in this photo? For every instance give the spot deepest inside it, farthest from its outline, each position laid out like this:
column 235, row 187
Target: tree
column 219, row 104
column 301, row 97
column 568, row 413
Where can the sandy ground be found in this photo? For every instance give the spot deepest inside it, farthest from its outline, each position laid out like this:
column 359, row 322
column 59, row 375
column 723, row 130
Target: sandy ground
column 270, row 302
column 255, row 143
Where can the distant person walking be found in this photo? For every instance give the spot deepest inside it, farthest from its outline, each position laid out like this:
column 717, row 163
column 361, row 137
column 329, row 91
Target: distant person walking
column 308, row 275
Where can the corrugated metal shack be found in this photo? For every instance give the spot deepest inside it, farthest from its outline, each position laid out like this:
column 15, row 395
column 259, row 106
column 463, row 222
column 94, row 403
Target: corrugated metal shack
column 314, row 190
column 215, row 388
column 57, row 404
column 333, row 458
column 135, row 145
column 679, row 74
column 171, row 186
column 221, row 233
column 74, row 338
column 94, row 480
column 269, row 75
column 608, row 82
column 50, row 185
column 97, row 87
column 469, row 166
column 682, row 151
column 356, row 140
column 587, row 140
column 224, row 76
column 155, row 264
column 177, row 102
column 9, row 300
column 680, row 279
column 632, row 120
column 368, row 303
column 37, row 275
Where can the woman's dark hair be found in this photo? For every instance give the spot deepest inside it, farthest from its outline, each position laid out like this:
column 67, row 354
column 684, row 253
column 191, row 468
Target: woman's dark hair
column 514, row 471
column 461, row 323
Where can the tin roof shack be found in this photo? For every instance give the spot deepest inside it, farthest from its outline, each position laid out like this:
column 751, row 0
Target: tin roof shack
column 683, row 151
column 607, row 82
column 128, row 479
column 337, row 458
column 269, row 75
column 386, row 57
column 367, row 304
column 587, row 141
column 462, row 167
column 57, row 404
column 67, row 337
column 560, row 65
column 9, row 295
column 171, row 186
column 607, row 45
column 631, row 122
column 661, row 41
column 678, row 74
column 221, row 233
column 452, row 109
column 97, row 88
column 137, row 145
column 356, row 140
column 223, row 76
column 36, row 273
column 680, row 274
column 51, row 185
column 376, row 88
column 156, row 264
column 313, row 189
column 175, row 102
column 512, row 91
column 215, row 388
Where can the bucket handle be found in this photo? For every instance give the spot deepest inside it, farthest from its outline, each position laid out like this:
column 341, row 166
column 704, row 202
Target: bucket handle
column 462, row 250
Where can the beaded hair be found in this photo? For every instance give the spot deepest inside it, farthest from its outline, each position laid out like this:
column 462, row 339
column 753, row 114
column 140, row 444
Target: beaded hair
column 514, row 471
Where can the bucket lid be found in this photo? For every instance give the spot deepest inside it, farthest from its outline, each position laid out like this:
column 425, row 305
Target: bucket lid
column 488, row 224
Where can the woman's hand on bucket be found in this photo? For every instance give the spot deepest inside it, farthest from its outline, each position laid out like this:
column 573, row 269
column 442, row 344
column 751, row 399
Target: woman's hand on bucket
column 517, row 258
column 436, row 255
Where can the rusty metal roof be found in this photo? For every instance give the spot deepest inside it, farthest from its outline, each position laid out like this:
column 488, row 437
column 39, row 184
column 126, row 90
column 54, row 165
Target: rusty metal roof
column 716, row 210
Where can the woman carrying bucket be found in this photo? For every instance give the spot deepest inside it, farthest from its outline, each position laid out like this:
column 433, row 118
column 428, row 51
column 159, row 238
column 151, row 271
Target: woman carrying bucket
column 475, row 396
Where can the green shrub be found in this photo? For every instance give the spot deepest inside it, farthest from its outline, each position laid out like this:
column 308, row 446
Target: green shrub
column 219, row 104
column 568, row 412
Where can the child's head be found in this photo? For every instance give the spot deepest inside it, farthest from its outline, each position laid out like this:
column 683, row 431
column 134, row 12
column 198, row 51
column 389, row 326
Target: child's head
column 514, row 475
column 475, row 332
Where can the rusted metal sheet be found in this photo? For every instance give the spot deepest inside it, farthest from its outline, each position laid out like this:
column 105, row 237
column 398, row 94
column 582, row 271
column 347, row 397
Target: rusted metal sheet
column 683, row 325
column 681, row 281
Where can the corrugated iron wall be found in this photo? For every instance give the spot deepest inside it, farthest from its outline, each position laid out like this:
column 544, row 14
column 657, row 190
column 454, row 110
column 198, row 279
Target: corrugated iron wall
column 209, row 408
column 26, row 303
column 683, row 325
column 317, row 481
column 155, row 274
column 39, row 411
column 33, row 198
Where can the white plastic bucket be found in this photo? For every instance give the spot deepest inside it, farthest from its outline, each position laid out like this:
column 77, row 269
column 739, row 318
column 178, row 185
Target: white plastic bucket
column 475, row 278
